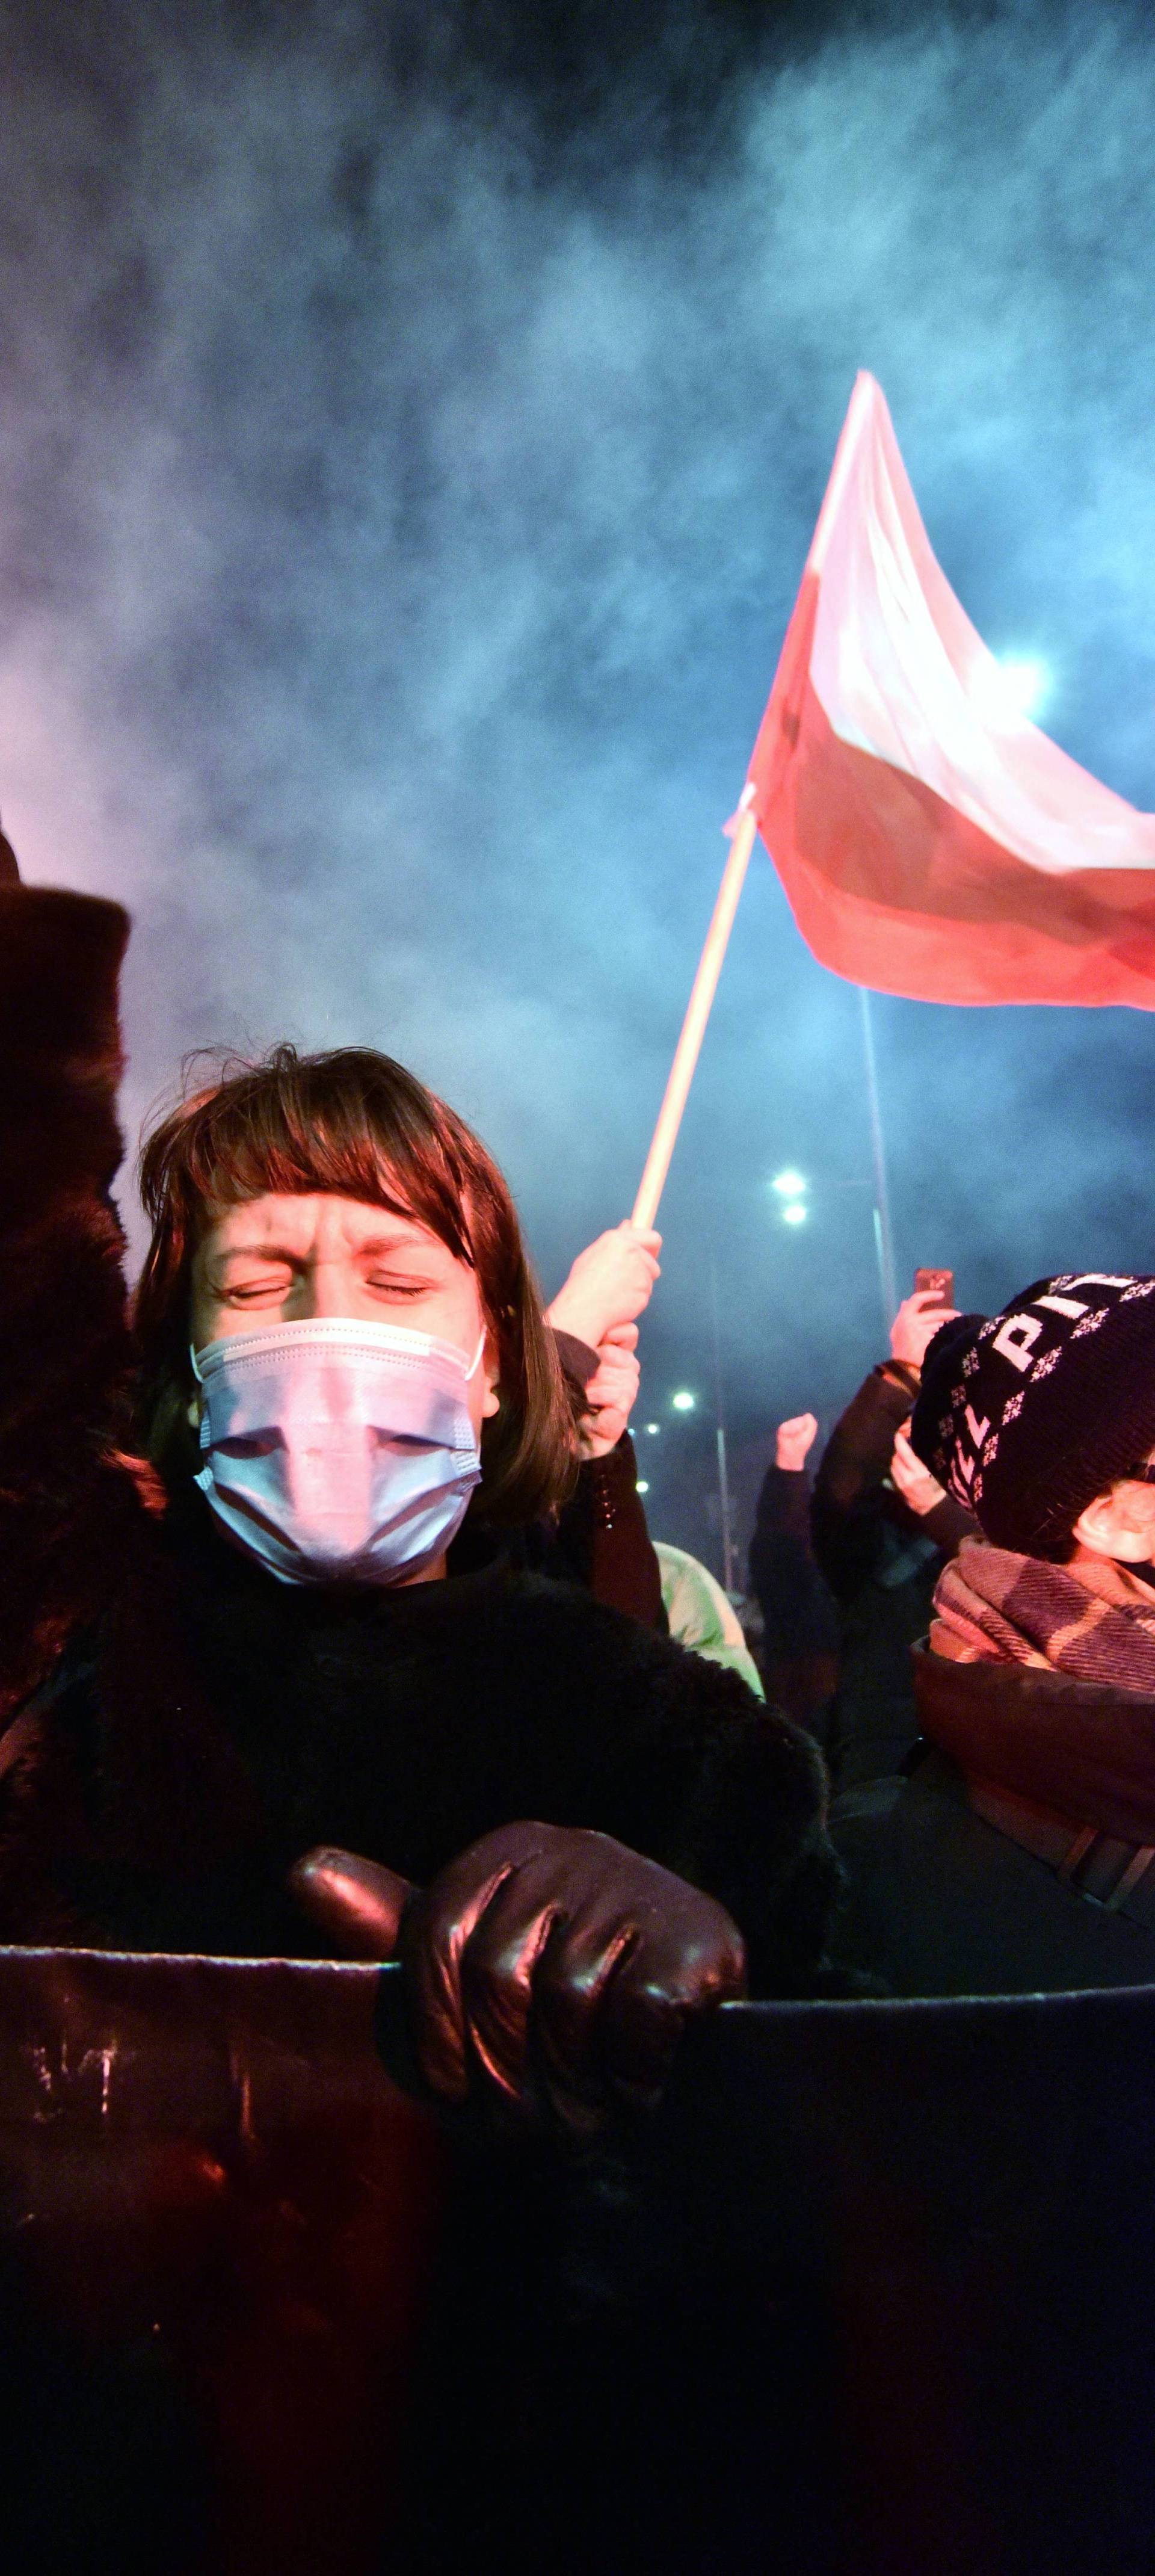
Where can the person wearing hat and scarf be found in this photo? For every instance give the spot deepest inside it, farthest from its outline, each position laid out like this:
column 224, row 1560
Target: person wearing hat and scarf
column 1018, row 1855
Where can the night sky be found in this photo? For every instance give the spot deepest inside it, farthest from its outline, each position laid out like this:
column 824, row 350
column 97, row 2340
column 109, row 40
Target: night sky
column 414, row 419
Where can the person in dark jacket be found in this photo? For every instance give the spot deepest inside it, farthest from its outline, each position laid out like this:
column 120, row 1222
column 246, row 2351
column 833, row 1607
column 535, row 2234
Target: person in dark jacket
column 1018, row 1855
column 800, row 1631
column 882, row 1530
column 232, row 1632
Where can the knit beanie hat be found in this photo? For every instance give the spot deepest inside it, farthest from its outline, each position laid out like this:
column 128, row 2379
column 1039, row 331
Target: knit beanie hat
column 1027, row 1415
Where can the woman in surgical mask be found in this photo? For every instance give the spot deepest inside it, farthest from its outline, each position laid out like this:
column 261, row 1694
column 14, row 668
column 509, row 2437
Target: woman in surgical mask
column 352, row 1346
column 260, row 1695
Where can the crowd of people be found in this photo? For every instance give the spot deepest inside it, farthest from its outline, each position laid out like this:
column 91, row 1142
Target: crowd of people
column 962, row 1611
column 333, row 1625
column 333, row 1628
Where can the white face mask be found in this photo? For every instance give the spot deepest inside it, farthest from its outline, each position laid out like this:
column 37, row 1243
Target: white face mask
column 337, row 1451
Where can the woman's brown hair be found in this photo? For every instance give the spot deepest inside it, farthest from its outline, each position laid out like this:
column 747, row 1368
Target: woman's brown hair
column 355, row 1123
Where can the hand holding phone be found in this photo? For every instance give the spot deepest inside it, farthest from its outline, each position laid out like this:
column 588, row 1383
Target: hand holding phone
column 920, row 1315
column 938, row 1284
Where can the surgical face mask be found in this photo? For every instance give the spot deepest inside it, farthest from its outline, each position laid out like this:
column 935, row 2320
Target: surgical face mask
column 337, row 1451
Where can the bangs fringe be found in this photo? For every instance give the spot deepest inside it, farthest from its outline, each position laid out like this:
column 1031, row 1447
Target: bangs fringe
column 352, row 1123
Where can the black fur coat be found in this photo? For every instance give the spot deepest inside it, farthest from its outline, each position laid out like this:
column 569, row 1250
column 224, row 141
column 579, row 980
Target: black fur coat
column 181, row 1726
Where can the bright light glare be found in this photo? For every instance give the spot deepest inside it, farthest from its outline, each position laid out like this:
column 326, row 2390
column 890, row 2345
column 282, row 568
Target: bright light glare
column 789, row 1185
column 653, row 1427
column 642, row 1486
column 1019, row 685
column 794, row 1214
column 683, row 1401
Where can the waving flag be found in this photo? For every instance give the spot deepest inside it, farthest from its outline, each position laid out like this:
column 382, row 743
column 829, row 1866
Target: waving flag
column 931, row 840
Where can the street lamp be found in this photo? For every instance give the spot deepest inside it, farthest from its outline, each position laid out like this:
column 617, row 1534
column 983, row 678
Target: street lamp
column 683, row 1401
column 790, row 1190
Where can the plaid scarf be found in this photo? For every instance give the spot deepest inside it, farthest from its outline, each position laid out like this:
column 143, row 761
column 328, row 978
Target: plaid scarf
column 1097, row 1624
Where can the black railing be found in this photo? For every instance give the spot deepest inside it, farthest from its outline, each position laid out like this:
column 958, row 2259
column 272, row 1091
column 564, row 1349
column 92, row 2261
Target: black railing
column 873, row 2296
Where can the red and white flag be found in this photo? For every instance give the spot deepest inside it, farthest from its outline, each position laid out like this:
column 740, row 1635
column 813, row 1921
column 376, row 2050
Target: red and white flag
column 931, row 840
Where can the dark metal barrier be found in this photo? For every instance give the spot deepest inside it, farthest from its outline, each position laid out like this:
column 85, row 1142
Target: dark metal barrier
column 954, row 2206
column 875, row 2296
column 216, row 2225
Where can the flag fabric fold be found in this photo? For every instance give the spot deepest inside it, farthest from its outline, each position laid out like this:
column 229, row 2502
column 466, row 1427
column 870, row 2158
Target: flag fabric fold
column 931, row 840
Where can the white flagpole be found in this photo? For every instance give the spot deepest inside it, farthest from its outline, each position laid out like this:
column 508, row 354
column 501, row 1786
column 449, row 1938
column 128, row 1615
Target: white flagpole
column 702, row 993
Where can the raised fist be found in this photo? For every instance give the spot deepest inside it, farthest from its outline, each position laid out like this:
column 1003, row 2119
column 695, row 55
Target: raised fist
column 794, row 1440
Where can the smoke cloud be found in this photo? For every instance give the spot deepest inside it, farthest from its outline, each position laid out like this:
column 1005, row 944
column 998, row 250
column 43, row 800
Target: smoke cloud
column 403, row 494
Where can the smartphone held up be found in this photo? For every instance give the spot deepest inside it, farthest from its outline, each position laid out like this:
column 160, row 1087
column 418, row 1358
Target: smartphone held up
column 938, row 1284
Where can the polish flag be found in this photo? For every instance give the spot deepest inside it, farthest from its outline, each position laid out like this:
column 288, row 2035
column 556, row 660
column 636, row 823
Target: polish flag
column 931, row 840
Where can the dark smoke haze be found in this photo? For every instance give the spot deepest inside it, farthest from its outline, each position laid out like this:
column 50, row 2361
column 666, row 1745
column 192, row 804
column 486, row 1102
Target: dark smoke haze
column 408, row 461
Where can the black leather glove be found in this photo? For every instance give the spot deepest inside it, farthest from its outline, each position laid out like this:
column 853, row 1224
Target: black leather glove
column 545, row 1961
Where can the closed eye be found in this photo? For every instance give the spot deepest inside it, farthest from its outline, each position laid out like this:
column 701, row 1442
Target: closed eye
column 246, row 1292
column 400, row 1287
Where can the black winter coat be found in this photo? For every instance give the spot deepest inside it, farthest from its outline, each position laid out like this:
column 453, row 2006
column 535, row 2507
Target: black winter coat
column 882, row 1563
column 1016, row 1858
column 800, row 1625
column 185, row 1726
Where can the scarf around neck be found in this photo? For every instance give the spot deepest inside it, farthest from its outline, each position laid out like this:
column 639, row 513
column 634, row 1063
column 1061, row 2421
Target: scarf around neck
column 1096, row 1623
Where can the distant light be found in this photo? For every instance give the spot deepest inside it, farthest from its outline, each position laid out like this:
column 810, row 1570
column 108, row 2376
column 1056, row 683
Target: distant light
column 789, row 1185
column 642, row 1486
column 1028, row 684
column 653, row 1428
column 683, row 1401
column 794, row 1213
column 1019, row 684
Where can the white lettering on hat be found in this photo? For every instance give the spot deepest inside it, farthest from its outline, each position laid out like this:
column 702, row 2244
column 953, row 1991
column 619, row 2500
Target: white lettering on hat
column 1096, row 1279
column 1018, row 1337
column 1086, row 1279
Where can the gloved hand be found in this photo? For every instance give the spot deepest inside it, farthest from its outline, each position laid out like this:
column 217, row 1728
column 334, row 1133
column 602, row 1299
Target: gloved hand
column 544, row 1962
